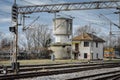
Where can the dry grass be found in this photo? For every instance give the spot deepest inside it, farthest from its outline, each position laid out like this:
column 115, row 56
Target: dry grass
column 4, row 62
column 40, row 61
column 48, row 61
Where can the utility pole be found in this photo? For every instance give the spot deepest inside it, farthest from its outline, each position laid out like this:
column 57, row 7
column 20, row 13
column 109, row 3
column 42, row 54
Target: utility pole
column 110, row 53
column 23, row 22
column 23, row 19
column 119, row 14
column 14, row 29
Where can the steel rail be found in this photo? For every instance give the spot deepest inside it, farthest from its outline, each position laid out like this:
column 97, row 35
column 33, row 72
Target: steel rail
column 27, row 68
column 110, row 76
column 53, row 72
column 83, row 63
column 106, row 74
column 40, row 67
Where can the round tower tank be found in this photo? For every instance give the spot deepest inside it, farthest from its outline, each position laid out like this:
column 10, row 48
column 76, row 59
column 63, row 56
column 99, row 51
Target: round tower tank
column 62, row 26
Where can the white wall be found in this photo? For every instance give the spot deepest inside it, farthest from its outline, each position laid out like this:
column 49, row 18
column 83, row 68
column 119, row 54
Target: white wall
column 88, row 50
column 62, row 38
column 98, row 50
column 62, row 26
column 61, row 52
column 83, row 50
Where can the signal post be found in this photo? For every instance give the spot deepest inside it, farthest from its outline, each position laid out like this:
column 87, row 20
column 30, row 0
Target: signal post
column 14, row 30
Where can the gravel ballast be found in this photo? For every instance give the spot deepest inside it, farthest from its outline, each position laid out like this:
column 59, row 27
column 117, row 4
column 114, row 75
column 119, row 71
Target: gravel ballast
column 73, row 75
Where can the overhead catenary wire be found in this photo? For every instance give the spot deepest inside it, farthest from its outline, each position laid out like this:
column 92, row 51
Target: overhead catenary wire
column 28, row 2
column 109, row 20
column 6, row 1
column 1, row 14
column 4, row 12
column 27, row 27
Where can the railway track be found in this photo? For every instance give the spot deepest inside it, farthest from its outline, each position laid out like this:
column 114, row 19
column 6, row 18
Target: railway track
column 47, row 66
column 27, row 68
column 37, row 65
column 54, row 71
column 40, row 65
column 113, row 75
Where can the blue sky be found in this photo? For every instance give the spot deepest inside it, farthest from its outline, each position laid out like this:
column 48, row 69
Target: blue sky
column 82, row 17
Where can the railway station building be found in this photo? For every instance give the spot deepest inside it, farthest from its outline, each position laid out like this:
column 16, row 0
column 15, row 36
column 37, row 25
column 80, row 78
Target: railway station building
column 87, row 46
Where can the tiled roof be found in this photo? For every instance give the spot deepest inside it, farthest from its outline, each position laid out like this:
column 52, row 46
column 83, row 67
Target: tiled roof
column 87, row 37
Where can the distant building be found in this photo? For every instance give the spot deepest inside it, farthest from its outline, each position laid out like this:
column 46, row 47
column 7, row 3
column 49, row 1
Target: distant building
column 87, row 46
column 111, row 53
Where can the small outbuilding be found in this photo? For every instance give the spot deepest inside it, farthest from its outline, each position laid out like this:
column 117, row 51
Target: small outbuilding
column 87, row 46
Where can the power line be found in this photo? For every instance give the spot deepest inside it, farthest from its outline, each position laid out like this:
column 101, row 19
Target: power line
column 4, row 12
column 54, row 1
column 26, row 27
column 28, row 2
column 6, row 2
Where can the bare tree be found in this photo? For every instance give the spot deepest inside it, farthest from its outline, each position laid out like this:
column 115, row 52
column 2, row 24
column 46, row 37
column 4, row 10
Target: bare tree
column 86, row 29
column 28, row 36
column 38, row 38
column 23, row 43
column 41, row 36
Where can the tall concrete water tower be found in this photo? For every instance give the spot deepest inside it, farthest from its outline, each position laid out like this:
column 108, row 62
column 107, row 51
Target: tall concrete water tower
column 62, row 32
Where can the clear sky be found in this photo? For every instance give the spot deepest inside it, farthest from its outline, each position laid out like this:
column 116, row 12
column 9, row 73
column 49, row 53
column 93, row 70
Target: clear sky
column 82, row 17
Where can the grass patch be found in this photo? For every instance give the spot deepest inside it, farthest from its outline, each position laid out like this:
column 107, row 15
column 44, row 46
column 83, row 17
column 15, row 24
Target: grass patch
column 41, row 61
column 6, row 62
column 48, row 61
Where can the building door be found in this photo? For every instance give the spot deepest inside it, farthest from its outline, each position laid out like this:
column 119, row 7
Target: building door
column 76, row 50
column 76, row 55
column 85, row 55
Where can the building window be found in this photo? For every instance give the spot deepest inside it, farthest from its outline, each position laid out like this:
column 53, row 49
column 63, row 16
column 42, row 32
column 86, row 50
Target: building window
column 76, row 46
column 86, row 44
column 96, row 44
column 85, row 55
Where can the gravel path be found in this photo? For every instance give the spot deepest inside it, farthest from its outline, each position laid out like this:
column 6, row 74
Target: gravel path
column 72, row 75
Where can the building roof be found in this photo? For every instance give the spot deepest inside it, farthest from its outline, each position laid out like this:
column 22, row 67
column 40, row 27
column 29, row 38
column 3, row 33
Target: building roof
column 87, row 37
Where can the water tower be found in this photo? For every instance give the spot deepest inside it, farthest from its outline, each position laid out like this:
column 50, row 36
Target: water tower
column 62, row 31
